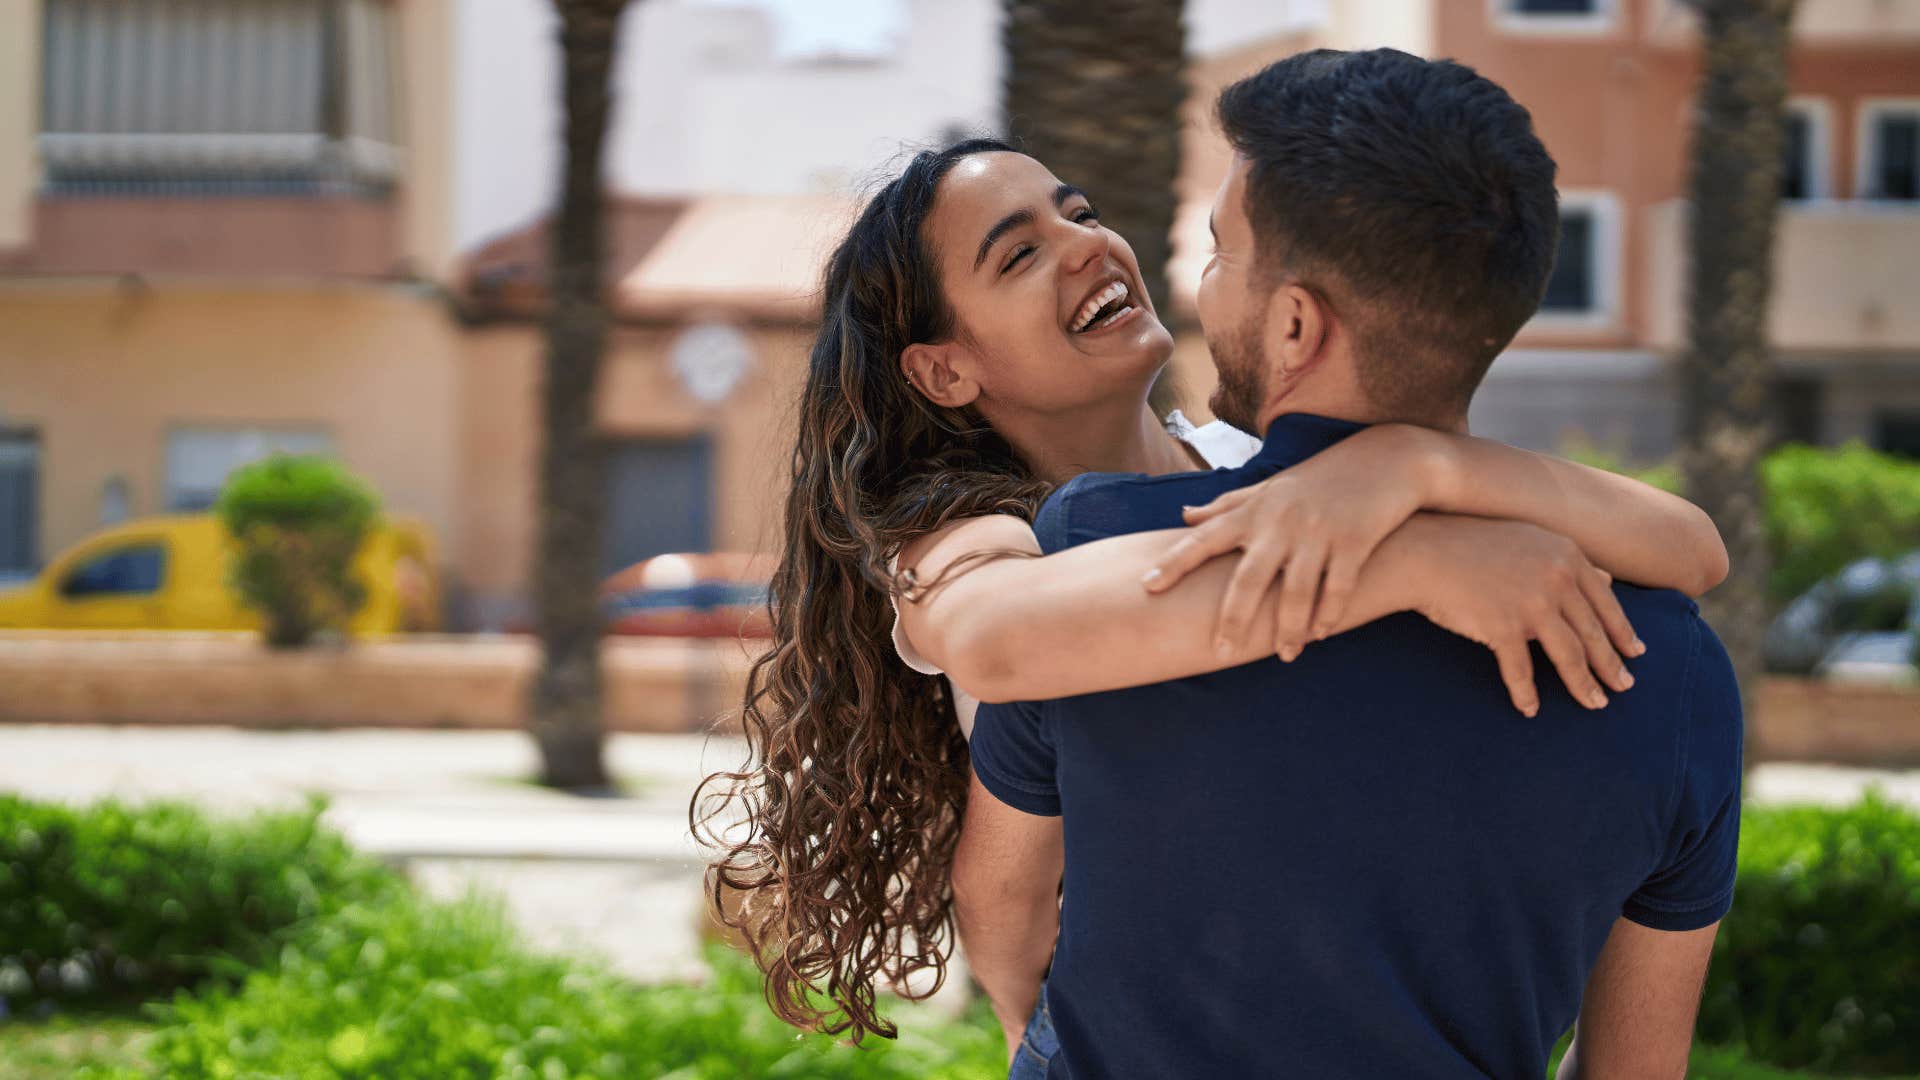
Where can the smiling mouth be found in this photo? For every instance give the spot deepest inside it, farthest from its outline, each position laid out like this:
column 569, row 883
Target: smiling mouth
column 1102, row 308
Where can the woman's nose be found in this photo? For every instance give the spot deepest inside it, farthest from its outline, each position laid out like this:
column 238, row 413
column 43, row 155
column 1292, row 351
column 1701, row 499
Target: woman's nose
column 1084, row 246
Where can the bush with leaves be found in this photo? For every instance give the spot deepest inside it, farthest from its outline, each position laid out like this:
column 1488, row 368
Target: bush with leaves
column 1826, row 507
column 113, row 901
column 416, row 990
column 1818, row 963
column 299, row 521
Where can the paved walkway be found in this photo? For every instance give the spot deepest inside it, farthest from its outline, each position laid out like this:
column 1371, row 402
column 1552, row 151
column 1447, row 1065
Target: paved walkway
column 616, row 876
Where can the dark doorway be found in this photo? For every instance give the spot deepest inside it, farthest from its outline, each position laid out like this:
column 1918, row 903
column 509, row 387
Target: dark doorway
column 19, row 504
column 659, row 499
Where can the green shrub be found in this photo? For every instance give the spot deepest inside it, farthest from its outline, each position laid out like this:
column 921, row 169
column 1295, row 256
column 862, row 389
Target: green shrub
column 299, row 521
column 112, row 901
column 1818, row 963
column 413, row 990
column 1827, row 508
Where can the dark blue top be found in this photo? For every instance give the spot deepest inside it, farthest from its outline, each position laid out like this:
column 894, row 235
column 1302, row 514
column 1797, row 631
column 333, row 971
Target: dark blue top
column 1365, row 863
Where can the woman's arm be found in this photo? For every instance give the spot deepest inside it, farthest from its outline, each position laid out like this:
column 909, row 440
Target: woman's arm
column 1031, row 628
column 1322, row 517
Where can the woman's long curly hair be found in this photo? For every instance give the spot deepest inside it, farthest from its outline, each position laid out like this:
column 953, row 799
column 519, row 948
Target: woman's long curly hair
column 837, row 836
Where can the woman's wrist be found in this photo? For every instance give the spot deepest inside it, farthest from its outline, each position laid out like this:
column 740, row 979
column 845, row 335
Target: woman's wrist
column 1437, row 468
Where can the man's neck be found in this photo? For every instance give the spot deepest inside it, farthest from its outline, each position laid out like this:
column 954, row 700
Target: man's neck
column 1128, row 440
column 1357, row 412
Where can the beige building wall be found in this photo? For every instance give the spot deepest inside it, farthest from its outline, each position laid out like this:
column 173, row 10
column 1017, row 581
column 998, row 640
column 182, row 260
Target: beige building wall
column 19, row 119
column 102, row 371
column 640, row 397
column 427, row 129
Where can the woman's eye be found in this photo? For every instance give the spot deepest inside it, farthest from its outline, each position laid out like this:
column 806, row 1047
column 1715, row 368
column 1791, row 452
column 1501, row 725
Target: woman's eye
column 1021, row 253
column 1086, row 215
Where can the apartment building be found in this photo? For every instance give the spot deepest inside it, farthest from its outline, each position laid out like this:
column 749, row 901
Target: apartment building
column 1610, row 84
column 220, row 224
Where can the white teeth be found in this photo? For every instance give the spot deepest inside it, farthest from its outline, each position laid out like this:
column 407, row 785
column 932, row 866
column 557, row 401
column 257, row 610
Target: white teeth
column 1115, row 291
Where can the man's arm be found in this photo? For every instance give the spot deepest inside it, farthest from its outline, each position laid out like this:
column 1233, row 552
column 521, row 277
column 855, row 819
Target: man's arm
column 1006, row 879
column 1636, row 1020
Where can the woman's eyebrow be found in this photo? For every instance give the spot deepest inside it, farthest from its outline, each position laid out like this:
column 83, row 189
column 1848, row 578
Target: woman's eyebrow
column 1021, row 217
column 1000, row 228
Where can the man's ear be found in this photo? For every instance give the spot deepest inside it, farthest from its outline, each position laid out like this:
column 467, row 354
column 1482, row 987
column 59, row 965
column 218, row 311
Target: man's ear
column 1298, row 324
column 934, row 372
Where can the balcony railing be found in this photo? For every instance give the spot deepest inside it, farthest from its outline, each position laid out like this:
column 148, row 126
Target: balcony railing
column 1843, row 276
column 220, row 97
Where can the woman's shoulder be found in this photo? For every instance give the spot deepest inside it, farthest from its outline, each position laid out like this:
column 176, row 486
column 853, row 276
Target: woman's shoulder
column 1219, row 444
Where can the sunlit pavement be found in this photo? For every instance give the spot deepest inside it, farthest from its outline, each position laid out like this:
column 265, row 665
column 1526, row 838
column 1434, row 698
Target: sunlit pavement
column 615, row 876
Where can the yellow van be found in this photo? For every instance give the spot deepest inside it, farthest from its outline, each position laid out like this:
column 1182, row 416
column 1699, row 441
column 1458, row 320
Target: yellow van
column 169, row 572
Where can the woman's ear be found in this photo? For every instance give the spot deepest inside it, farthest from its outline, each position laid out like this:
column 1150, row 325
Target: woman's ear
column 1297, row 326
column 931, row 369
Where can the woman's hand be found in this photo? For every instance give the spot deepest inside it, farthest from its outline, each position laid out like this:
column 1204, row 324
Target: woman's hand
column 1313, row 526
column 1505, row 584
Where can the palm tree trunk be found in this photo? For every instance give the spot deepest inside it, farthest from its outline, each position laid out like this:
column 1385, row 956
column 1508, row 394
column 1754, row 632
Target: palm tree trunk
column 1094, row 92
column 564, row 709
column 1727, row 371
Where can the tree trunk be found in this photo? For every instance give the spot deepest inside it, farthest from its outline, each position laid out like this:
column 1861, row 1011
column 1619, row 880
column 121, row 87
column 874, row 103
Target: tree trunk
column 564, row 707
column 1094, row 92
column 1727, row 371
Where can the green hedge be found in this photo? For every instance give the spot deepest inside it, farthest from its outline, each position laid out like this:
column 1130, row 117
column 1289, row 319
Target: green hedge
column 111, row 901
column 1818, row 964
column 1826, row 507
column 414, row 990
column 351, row 974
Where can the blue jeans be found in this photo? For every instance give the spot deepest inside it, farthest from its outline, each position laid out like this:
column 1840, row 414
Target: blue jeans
column 1037, row 1045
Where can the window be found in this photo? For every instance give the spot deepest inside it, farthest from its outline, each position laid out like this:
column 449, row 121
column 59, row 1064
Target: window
column 1554, row 16
column 1897, row 432
column 1804, row 157
column 1582, row 290
column 129, row 571
column 199, row 458
column 1890, row 150
column 220, row 97
column 19, row 504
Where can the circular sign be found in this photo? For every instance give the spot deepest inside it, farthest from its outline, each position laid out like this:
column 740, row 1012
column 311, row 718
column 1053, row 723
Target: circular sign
column 711, row 359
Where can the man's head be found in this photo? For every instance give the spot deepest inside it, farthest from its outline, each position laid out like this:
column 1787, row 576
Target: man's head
column 1386, row 228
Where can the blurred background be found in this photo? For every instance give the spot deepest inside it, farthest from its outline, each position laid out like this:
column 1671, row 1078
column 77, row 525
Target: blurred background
column 283, row 509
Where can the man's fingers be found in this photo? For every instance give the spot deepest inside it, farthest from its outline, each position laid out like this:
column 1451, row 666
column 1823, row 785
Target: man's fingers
column 1256, row 571
column 1195, row 515
column 1602, row 657
column 1299, row 587
column 1563, row 647
column 1515, row 654
column 1188, row 554
column 1599, row 589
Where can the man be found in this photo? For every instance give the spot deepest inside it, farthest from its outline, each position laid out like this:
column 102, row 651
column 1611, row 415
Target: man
column 1363, row 862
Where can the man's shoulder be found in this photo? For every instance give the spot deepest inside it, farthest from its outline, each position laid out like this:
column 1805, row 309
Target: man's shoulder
column 1094, row 505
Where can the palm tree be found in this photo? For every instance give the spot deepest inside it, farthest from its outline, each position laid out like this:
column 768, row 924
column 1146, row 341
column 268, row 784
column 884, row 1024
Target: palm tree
column 1727, row 370
column 1094, row 91
column 564, row 708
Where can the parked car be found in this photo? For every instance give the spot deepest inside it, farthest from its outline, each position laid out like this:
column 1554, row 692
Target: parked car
column 1861, row 623
column 717, row 594
column 169, row 572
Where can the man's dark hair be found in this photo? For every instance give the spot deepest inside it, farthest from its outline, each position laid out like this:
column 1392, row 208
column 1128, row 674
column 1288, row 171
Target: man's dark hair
column 1414, row 197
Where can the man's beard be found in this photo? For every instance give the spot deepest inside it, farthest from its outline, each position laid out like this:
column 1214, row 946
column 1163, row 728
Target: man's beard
column 1238, row 362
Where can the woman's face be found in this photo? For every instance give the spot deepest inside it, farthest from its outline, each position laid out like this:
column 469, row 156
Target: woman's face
column 1048, row 304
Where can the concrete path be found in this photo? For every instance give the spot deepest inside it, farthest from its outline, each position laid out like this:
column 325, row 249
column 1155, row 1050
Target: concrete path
column 615, row 876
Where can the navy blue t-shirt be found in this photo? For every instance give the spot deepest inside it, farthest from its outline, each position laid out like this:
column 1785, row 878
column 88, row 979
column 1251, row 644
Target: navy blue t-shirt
column 1366, row 862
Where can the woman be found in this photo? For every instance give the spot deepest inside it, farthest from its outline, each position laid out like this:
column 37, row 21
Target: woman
column 975, row 352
